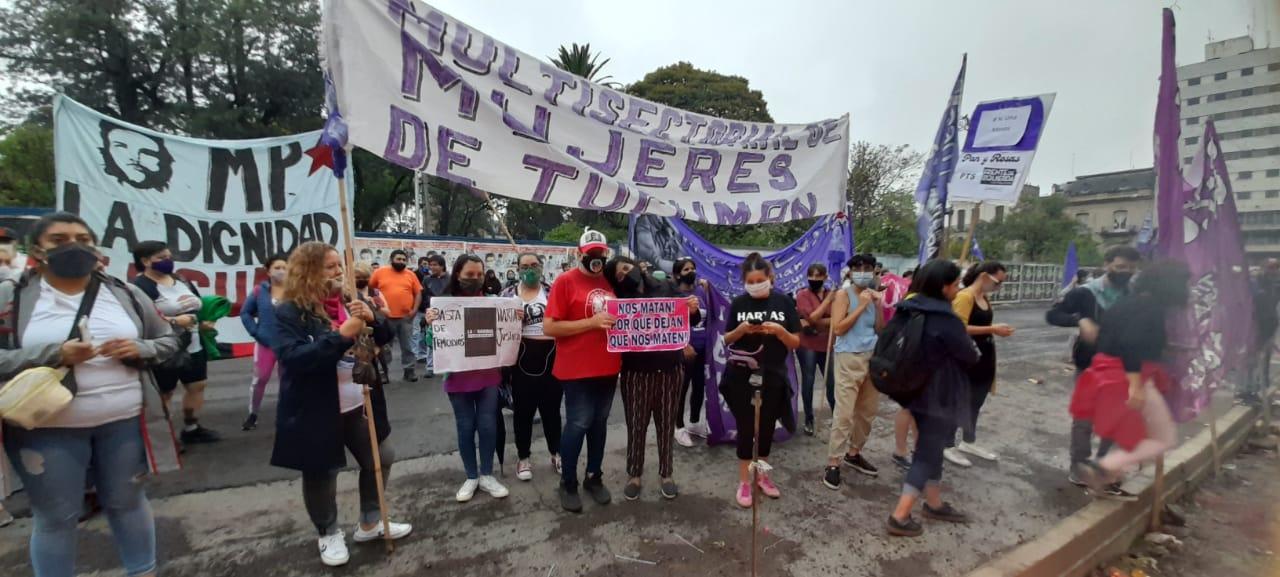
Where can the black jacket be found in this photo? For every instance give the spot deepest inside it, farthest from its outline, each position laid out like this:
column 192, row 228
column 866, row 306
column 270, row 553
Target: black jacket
column 952, row 351
column 308, row 421
column 1079, row 303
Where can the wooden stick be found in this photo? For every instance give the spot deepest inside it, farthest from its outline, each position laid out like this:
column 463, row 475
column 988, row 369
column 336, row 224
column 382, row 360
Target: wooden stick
column 1213, row 442
column 831, row 339
column 502, row 222
column 968, row 240
column 349, row 285
column 756, row 400
column 1157, row 501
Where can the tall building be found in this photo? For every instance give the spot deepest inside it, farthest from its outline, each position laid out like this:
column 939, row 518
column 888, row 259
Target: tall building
column 1112, row 206
column 1238, row 86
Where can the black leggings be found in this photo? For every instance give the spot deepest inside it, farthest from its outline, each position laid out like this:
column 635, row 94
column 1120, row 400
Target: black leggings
column 737, row 393
column 695, row 379
column 320, row 488
column 535, row 390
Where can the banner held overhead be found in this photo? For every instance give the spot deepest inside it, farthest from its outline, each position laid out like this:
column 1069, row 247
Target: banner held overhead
column 432, row 94
column 997, row 153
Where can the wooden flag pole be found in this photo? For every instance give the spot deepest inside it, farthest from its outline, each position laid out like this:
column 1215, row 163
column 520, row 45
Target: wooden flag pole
column 1157, row 500
column 1213, row 443
column 502, row 222
column 349, row 286
column 965, row 251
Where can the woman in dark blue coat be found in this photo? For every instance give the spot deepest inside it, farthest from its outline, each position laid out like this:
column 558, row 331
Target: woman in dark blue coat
column 321, row 412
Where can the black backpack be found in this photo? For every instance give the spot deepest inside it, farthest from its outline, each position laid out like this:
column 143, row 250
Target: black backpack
column 898, row 367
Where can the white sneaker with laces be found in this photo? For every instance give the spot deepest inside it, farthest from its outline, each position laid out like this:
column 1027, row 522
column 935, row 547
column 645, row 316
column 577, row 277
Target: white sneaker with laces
column 978, row 452
column 683, row 438
column 955, row 456
column 333, row 549
column 524, row 470
column 398, row 530
column 555, row 462
column 468, row 490
column 491, row 486
column 699, row 429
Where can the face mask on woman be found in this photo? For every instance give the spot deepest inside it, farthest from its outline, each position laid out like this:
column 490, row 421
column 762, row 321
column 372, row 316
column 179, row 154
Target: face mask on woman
column 629, row 284
column 689, row 278
column 72, row 260
column 760, row 290
column 163, row 266
column 277, row 276
column 470, row 286
column 530, row 276
column 815, row 285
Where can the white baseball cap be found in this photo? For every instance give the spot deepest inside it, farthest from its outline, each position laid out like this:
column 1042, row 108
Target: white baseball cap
column 592, row 239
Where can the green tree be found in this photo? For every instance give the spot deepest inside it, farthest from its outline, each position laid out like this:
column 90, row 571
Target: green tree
column 581, row 61
column 1038, row 230
column 881, row 188
column 26, row 166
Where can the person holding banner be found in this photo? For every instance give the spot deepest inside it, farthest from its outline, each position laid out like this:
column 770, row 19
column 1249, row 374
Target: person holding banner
column 686, row 284
column 258, row 314
column 534, row 390
column 577, row 319
column 321, row 408
column 179, row 301
column 814, row 305
column 763, row 324
column 973, row 307
column 858, row 318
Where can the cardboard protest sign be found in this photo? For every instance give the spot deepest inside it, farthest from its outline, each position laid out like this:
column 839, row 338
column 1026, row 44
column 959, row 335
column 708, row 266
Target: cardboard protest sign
column 646, row 325
column 475, row 333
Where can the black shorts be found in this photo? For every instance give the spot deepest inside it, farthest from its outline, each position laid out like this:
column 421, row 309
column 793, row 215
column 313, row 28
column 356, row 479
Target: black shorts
column 196, row 371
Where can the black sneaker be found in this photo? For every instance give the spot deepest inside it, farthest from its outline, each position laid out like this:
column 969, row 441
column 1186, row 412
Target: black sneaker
column 200, row 435
column 859, row 464
column 250, row 422
column 570, row 500
column 1075, row 480
column 632, row 490
column 595, row 487
column 1094, row 476
column 908, row 528
column 808, row 428
column 669, row 489
column 1114, row 492
column 902, row 462
column 832, row 478
column 409, row 376
column 945, row 513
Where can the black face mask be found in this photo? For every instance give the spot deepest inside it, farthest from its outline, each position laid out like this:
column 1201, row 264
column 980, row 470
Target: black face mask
column 816, row 285
column 1119, row 280
column 362, row 283
column 630, row 284
column 689, row 278
column 72, row 260
column 399, row 266
column 594, row 264
column 470, row 286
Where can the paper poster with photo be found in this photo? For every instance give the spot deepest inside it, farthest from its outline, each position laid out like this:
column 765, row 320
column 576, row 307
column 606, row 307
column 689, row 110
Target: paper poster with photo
column 474, row 333
column 646, row 325
column 998, row 150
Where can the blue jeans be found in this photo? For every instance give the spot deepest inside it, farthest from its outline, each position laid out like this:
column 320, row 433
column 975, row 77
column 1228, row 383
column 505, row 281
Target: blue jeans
column 926, row 463
column 476, row 412
column 810, row 360
column 586, row 406
column 54, row 465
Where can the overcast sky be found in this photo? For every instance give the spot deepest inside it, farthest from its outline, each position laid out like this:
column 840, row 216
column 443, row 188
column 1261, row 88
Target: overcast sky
column 891, row 64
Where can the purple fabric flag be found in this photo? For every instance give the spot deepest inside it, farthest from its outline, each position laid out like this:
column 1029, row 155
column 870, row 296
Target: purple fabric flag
column 931, row 193
column 977, row 250
column 1169, row 183
column 330, row 151
column 663, row 240
column 1070, row 266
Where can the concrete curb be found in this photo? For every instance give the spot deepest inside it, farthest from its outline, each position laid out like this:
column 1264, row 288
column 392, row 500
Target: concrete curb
column 1104, row 529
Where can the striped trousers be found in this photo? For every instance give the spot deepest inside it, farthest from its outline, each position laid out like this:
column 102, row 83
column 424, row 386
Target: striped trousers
column 656, row 396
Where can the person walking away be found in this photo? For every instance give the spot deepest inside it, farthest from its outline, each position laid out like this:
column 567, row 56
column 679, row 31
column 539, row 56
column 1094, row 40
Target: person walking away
column 1266, row 299
column 1083, row 308
column 473, row 395
column 115, row 430
column 258, row 314
column 858, row 318
column 577, row 320
column 763, row 323
column 1122, row 391
column 179, row 301
column 814, row 305
column 403, row 293
column 650, row 382
column 974, row 308
column 686, row 284
column 534, row 390
column 435, row 284
column 321, row 408
column 943, row 403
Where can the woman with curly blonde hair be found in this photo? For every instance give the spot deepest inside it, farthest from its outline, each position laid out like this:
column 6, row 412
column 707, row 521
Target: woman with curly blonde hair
column 315, row 333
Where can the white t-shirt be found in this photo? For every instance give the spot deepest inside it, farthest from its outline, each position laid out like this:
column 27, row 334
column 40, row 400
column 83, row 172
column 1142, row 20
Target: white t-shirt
column 535, row 312
column 108, row 391
column 350, row 395
column 177, row 299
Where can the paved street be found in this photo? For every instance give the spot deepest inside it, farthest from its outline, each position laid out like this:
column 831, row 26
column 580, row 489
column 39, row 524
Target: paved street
column 230, row 514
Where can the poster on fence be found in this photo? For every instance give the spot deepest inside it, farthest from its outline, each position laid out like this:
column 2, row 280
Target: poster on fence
column 223, row 206
column 998, row 149
column 475, row 333
column 646, row 325
column 433, row 94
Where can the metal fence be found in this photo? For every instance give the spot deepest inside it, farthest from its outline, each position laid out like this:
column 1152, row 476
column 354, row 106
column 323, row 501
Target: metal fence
column 1028, row 282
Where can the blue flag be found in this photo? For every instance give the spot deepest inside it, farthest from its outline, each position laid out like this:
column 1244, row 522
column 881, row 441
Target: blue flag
column 931, row 193
column 1070, row 266
column 977, row 250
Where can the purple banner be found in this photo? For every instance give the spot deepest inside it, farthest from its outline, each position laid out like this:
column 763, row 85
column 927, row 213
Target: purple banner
column 661, row 241
column 931, row 193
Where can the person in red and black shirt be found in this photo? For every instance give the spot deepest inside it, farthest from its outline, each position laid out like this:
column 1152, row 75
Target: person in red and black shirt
column 577, row 320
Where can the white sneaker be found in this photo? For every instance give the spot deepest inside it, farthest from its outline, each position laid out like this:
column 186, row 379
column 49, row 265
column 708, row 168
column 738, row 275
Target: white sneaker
column 491, row 486
column 398, row 530
column 333, row 549
column 978, row 452
column 699, row 429
column 682, row 437
column 468, row 490
column 955, row 456
column 524, row 470
column 555, row 462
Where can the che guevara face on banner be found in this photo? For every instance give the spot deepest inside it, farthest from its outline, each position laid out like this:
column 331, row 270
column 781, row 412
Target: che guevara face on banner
column 136, row 159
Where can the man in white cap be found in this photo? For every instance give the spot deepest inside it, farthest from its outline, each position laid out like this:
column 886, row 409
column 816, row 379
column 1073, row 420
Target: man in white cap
column 577, row 320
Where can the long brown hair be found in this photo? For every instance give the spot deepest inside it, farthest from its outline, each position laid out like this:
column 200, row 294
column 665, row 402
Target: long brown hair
column 307, row 284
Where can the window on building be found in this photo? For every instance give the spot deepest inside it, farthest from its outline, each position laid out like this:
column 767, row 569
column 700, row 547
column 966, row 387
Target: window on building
column 1186, row 160
column 1120, row 220
column 1191, row 140
column 1273, row 172
column 1220, row 76
column 1083, row 218
column 1194, row 82
column 1273, row 194
column 1193, row 120
column 960, row 219
column 1246, row 71
column 1194, row 100
column 1246, row 92
column 1274, row 66
column 999, row 214
column 1245, row 175
column 1244, row 195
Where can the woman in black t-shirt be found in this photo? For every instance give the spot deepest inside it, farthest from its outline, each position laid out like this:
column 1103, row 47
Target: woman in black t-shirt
column 764, row 325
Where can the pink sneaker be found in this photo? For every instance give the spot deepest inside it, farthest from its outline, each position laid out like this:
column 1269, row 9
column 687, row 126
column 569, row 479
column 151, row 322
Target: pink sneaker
column 744, row 495
column 767, row 487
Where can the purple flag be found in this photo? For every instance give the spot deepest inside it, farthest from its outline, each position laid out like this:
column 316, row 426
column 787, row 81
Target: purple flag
column 931, row 193
column 1169, row 182
column 1070, row 266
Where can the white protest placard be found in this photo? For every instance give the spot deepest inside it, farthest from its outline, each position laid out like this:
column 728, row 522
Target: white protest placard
column 223, row 206
column 432, row 94
column 475, row 333
column 998, row 150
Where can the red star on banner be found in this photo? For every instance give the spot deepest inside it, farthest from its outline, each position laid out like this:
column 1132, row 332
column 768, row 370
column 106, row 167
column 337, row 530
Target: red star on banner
column 321, row 156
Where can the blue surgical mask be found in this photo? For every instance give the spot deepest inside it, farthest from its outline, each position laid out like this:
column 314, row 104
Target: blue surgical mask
column 862, row 279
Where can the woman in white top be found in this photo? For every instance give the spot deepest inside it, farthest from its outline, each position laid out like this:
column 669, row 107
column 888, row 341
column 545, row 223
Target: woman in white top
column 533, row 388
column 115, row 421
